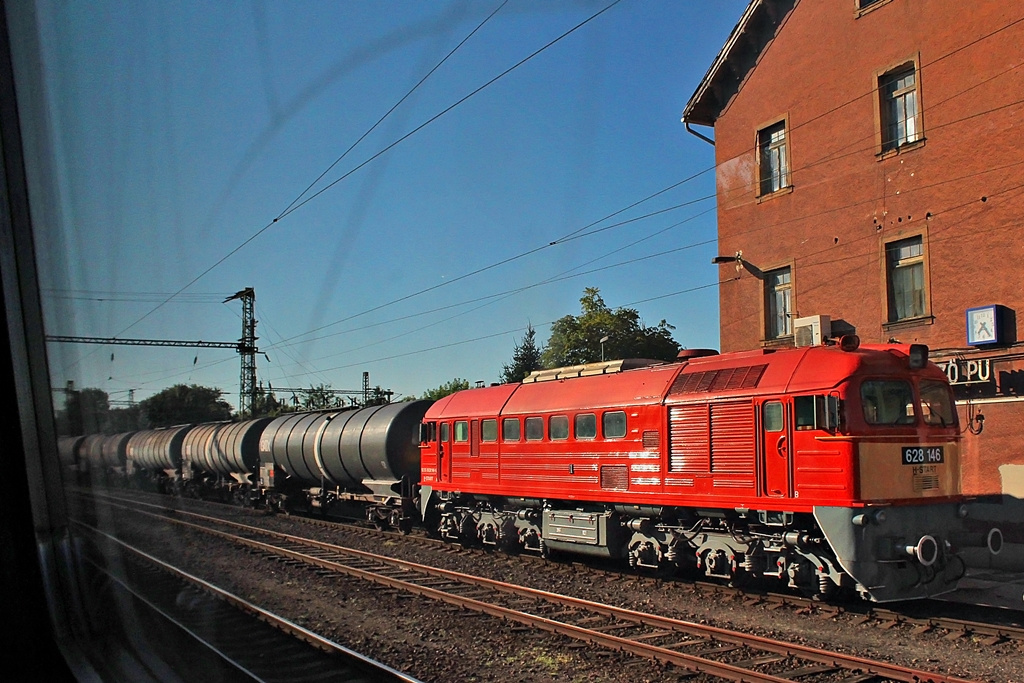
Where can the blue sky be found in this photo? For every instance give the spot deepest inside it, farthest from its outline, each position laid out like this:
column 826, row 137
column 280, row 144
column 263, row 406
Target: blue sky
column 181, row 130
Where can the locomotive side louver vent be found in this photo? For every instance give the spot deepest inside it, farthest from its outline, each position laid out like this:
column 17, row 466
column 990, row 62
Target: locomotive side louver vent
column 615, row 478
column 652, row 440
column 745, row 377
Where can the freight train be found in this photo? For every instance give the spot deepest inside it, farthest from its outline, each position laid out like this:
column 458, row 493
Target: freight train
column 831, row 469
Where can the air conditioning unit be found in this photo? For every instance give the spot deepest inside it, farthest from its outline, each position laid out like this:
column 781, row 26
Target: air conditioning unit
column 812, row 330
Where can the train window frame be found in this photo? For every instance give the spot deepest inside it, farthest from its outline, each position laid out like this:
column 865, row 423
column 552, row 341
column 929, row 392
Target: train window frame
column 506, row 433
column 558, row 427
column 610, row 419
column 589, row 423
column 772, row 420
column 531, row 424
column 489, row 430
column 460, row 431
column 444, row 432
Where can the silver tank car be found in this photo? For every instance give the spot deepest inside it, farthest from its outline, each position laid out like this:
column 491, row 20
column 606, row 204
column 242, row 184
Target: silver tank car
column 234, row 449
column 90, row 453
column 197, row 442
column 113, row 451
column 69, row 449
column 371, row 448
column 157, row 449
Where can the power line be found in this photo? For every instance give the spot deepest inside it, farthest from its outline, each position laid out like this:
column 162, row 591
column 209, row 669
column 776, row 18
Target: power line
column 445, row 111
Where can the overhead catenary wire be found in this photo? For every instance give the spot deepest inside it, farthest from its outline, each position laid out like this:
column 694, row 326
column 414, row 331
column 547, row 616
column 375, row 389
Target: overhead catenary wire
column 392, row 145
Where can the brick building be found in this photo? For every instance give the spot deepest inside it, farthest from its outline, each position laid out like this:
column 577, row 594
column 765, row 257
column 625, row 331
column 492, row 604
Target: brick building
column 870, row 171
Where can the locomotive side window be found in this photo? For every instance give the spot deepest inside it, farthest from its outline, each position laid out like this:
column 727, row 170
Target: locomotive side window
column 461, row 431
column 586, row 426
column 510, row 429
column 613, row 424
column 558, row 427
column 887, row 402
column 489, row 430
column 937, row 403
column 774, row 420
column 534, row 428
column 428, row 432
column 444, row 432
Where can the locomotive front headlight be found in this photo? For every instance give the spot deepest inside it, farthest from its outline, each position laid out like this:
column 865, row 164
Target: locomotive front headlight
column 961, row 511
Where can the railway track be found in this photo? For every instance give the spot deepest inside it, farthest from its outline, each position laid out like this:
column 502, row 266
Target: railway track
column 695, row 647
column 226, row 638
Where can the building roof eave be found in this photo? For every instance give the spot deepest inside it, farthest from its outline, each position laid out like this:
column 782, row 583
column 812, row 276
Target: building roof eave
column 749, row 39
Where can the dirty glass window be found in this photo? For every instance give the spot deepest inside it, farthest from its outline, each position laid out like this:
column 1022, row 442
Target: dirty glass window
column 444, row 432
column 586, row 426
column 558, row 427
column 534, row 428
column 510, row 429
column 887, row 402
column 489, row 430
column 461, row 431
column 937, row 403
column 774, row 417
column 613, row 424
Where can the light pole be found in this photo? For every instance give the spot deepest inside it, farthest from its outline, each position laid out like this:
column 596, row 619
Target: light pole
column 603, row 340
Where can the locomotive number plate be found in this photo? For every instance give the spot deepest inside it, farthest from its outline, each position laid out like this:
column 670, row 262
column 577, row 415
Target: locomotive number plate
column 922, row 455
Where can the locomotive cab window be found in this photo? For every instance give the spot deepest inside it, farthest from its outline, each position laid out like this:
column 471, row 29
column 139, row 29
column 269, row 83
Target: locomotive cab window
column 510, row 429
column 489, row 430
column 613, row 424
column 428, row 432
column 774, row 417
column 937, row 404
column 461, row 431
column 534, row 428
column 816, row 412
column 586, row 426
column 443, row 432
column 887, row 402
column 558, row 427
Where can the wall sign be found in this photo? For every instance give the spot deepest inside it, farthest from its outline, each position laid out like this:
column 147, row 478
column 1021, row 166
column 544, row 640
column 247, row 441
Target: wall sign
column 962, row 372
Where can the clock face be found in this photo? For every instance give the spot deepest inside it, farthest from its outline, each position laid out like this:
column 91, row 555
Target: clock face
column 981, row 326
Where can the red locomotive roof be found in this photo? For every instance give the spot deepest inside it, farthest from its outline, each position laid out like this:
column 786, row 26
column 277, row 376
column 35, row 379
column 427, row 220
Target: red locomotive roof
column 814, row 368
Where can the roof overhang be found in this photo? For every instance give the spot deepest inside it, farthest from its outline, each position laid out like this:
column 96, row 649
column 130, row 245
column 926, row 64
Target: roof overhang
column 750, row 38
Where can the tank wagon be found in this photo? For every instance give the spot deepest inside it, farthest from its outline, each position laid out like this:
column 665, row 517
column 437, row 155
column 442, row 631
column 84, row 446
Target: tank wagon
column 832, row 468
column 359, row 462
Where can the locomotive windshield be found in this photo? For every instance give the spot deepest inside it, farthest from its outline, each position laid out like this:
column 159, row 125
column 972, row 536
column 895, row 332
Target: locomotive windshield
column 937, row 403
column 891, row 402
column 888, row 402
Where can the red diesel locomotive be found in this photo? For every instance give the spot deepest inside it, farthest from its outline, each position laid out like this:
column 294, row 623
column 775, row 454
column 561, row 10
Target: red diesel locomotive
column 830, row 468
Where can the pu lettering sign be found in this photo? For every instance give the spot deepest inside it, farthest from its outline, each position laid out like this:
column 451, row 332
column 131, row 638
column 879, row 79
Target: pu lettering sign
column 968, row 371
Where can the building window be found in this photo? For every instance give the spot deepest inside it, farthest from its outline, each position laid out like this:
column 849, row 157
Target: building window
column 905, row 269
column 778, row 285
column 898, row 108
column 774, row 165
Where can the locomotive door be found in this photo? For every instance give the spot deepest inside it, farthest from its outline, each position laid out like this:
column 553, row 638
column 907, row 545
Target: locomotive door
column 776, row 447
column 444, row 453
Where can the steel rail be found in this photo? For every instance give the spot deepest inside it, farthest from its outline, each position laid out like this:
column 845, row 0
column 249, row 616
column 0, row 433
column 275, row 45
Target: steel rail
column 692, row 662
column 285, row 626
column 994, row 632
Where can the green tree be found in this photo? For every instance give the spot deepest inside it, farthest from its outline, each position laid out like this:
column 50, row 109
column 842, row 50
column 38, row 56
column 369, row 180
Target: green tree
column 184, row 404
column 127, row 419
column 451, row 387
column 265, row 404
column 577, row 339
column 525, row 358
column 321, row 397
